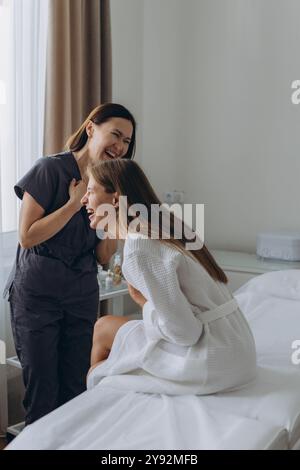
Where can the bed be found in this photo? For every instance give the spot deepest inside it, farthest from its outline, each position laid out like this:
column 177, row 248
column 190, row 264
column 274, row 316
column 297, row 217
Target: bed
column 265, row 414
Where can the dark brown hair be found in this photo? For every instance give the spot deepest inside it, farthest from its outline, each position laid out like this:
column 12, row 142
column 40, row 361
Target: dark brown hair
column 99, row 115
column 128, row 179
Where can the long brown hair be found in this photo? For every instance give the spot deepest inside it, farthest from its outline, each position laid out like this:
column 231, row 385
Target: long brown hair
column 99, row 115
column 128, row 179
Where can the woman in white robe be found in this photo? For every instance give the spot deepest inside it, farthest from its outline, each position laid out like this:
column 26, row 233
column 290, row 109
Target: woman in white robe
column 193, row 338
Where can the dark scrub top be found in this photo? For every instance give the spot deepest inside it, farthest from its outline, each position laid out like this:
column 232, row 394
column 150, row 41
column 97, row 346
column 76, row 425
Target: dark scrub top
column 48, row 183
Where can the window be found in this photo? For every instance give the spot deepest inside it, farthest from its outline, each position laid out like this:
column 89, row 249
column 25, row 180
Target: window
column 23, row 39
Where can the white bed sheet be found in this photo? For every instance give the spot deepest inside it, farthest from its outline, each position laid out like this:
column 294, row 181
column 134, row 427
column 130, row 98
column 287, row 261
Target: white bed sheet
column 111, row 416
column 296, row 446
column 106, row 418
column 271, row 304
column 274, row 398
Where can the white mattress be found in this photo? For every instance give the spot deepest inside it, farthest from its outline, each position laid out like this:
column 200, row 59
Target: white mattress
column 273, row 399
column 263, row 415
column 271, row 303
column 106, row 418
column 296, row 446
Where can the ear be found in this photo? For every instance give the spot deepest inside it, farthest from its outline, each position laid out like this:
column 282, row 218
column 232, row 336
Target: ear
column 116, row 199
column 89, row 129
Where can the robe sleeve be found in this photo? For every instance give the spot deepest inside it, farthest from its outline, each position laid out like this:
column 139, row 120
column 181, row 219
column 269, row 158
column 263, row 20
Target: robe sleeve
column 167, row 313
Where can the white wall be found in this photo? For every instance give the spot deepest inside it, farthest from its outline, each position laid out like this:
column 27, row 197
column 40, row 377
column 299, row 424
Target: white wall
column 164, row 44
column 246, row 130
column 212, row 81
column 127, row 53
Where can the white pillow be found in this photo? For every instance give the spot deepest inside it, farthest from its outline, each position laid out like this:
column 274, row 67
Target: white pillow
column 282, row 284
column 271, row 304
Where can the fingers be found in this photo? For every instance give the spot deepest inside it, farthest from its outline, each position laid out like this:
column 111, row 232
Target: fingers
column 75, row 183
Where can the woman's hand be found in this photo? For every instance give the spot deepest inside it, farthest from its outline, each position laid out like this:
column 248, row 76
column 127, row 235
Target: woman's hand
column 77, row 190
column 136, row 296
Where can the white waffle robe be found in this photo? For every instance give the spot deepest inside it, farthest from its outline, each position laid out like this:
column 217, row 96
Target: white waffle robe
column 193, row 338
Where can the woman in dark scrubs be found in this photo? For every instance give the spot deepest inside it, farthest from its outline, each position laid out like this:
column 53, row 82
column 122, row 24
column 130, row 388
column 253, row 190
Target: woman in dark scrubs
column 53, row 288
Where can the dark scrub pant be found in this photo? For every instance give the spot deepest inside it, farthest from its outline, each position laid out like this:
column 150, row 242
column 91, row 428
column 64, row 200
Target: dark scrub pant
column 53, row 311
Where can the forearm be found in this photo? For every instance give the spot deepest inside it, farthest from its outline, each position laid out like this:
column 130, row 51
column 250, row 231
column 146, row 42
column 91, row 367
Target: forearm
column 182, row 331
column 47, row 226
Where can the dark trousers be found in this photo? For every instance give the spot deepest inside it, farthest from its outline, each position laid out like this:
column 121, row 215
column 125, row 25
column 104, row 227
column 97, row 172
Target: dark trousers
column 53, row 340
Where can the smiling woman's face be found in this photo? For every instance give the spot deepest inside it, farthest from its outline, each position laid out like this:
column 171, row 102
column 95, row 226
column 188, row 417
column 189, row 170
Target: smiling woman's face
column 95, row 196
column 110, row 139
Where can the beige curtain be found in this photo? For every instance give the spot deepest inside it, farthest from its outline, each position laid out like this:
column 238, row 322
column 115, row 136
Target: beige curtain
column 78, row 66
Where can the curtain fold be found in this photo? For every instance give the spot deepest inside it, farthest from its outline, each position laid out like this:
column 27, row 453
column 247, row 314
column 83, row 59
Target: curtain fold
column 78, row 66
column 23, row 39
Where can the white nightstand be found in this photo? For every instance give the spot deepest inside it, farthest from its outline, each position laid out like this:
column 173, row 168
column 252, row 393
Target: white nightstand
column 241, row 267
